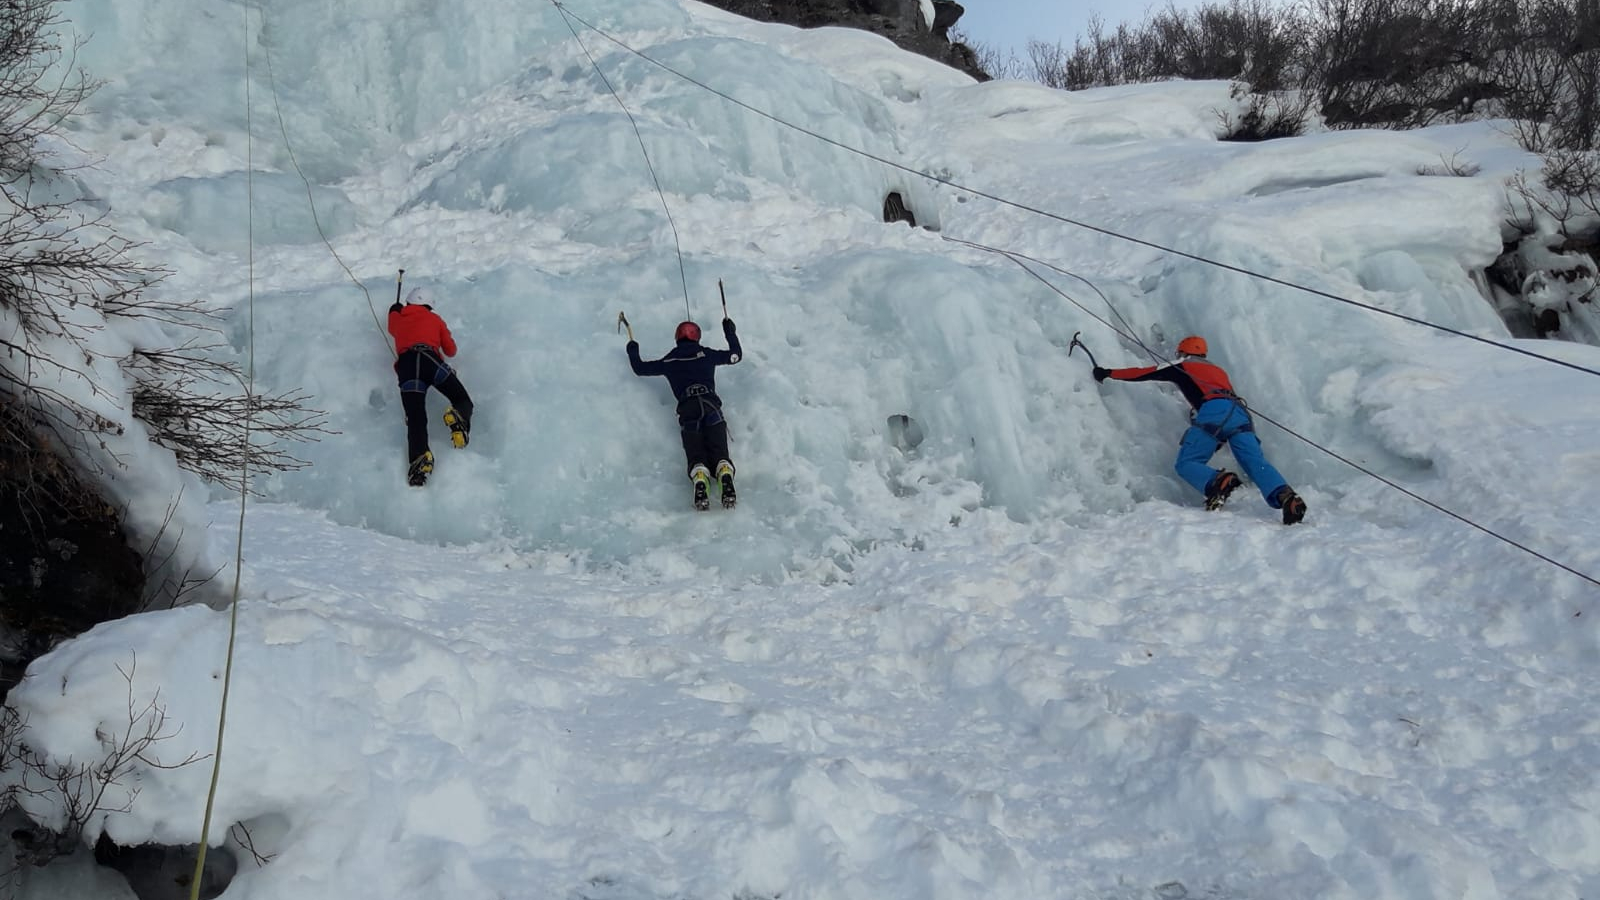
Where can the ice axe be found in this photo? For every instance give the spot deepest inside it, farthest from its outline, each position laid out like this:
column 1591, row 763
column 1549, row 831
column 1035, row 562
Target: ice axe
column 622, row 322
column 724, row 298
column 398, row 280
column 1076, row 344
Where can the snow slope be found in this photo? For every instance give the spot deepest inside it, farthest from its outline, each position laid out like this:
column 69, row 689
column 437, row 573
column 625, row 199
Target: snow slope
column 1017, row 660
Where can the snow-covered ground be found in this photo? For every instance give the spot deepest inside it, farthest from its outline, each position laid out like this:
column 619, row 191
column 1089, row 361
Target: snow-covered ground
column 1017, row 660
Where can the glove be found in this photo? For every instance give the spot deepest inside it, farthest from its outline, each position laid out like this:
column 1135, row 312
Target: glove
column 1100, row 373
column 727, row 324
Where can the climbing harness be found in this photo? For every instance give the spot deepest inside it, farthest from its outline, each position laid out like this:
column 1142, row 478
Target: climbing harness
column 417, row 384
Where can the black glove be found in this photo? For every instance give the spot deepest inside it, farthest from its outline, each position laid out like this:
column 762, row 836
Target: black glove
column 633, row 345
column 1100, row 373
column 727, row 324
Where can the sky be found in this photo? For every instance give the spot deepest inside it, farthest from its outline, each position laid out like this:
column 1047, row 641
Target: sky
column 1013, row 23
column 1017, row 659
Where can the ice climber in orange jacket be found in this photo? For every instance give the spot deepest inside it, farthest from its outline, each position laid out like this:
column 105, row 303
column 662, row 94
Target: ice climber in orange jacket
column 1219, row 416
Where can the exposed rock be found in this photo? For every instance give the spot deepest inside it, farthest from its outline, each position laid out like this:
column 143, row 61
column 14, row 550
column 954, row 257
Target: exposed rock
column 65, row 563
column 895, row 210
column 159, row 872
column 1546, row 286
column 945, row 14
column 900, row 21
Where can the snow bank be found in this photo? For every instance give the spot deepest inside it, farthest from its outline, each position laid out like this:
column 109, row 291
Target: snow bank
column 1014, row 660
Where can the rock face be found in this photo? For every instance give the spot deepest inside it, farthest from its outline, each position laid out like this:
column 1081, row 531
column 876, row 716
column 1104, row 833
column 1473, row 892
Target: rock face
column 900, row 21
column 1548, row 286
column 65, row 563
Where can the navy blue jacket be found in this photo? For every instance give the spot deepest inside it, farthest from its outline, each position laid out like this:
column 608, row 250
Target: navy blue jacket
column 691, row 370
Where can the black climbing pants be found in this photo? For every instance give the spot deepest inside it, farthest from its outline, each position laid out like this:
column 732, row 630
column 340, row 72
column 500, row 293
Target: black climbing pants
column 418, row 369
column 705, row 446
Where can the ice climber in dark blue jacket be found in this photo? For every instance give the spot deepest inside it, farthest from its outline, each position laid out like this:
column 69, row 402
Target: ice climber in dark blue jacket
column 691, row 370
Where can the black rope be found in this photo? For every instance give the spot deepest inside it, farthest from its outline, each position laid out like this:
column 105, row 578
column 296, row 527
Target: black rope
column 1421, row 499
column 311, row 202
column 677, row 244
column 1075, row 222
column 1128, row 333
column 1018, row 257
column 1127, row 330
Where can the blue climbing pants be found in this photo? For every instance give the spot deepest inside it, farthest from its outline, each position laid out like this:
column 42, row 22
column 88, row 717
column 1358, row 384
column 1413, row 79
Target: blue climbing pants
column 1218, row 421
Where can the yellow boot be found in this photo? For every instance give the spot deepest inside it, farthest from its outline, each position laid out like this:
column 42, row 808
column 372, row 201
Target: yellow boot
column 421, row 468
column 458, row 428
column 701, row 476
column 730, row 497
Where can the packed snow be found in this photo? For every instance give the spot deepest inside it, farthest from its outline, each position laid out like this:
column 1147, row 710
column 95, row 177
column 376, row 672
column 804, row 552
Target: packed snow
column 1017, row 659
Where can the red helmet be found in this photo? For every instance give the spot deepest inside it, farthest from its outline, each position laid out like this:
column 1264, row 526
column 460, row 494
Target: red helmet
column 1193, row 345
column 687, row 331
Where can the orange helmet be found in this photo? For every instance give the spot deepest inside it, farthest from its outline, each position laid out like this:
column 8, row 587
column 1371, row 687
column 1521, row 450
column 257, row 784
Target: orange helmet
column 1193, row 345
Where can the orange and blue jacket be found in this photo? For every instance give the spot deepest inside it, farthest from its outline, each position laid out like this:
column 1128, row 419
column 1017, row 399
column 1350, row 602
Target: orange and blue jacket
column 1199, row 380
column 417, row 323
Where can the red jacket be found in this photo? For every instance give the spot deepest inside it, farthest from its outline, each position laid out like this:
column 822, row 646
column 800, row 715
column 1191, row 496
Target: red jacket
column 416, row 323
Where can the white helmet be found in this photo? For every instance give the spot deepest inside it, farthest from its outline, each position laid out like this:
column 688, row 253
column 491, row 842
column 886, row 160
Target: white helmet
column 420, row 296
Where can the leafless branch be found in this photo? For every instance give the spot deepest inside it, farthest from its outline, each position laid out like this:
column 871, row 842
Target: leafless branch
column 83, row 790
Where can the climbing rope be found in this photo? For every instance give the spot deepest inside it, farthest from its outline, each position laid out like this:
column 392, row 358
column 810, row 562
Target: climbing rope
column 677, row 244
column 1127, row 330
column 311, row 199
column 1129, row 336
column 1424, row 500
column 1108, row 232
column 249, row 383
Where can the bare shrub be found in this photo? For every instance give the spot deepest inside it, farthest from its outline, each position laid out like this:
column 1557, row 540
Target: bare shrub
column 1566, row 194
column 84, row 793
column 34, row 98
column 1367, row 63
column 1554, row 79
column 1052, row 65
column 1452, row 166
column 64, row 276
column 991, row 59
column 1266, row 116
column 184, row 396
column 1553, row 75
column 1255, row 41
column 1400, row 63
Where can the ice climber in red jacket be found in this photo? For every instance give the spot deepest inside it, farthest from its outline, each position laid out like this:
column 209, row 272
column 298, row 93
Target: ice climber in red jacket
column 422, row 340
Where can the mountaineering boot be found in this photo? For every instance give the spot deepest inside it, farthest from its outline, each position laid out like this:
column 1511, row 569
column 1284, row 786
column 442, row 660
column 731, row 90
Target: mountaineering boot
column 730, row 497
column 1294, row 509
column 459, row 427
column 421, row 468
column 1220, row 487
column 702, row 487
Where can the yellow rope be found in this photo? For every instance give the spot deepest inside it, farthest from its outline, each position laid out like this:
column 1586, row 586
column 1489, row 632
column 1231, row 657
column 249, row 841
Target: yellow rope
column 244, row 467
